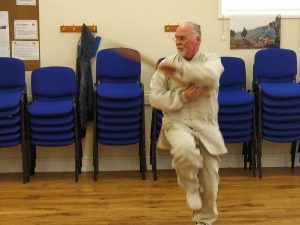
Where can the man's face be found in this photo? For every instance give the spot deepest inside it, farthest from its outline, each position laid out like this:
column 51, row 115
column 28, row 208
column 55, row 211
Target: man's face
column 187, row 41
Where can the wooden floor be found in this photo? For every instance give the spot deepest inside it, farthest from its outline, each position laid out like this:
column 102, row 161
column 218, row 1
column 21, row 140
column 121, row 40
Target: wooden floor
column 122, row 198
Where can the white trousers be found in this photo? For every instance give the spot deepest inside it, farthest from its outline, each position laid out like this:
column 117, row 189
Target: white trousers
column 196, row 168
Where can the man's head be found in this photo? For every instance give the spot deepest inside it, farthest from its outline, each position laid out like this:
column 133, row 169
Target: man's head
column 188, row 39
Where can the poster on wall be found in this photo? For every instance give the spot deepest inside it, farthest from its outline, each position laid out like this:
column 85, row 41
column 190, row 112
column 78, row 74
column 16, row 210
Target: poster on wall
column 26, row 50
column 4, row 34
column 26, row 29
column 25, row 2
column 255, row 31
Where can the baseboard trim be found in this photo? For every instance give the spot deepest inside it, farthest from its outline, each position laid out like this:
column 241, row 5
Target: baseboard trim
column 132, row 163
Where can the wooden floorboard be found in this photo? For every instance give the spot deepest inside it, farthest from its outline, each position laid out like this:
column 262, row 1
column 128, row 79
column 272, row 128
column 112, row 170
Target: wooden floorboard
column 122, row 198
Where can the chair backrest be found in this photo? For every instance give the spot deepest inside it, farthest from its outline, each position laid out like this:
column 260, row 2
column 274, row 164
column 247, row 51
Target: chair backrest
column 118, row 65
column 53, row 82
column 234, row 75
column 12, row 73
column 274, row 65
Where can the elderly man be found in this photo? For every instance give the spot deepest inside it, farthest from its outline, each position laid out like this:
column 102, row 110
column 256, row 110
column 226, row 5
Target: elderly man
column 190, row 124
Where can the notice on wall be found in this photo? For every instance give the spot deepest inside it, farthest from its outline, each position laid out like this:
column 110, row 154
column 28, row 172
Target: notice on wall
column 26, row 29
column 4, row 34
column 26, row 50
column 25, row 2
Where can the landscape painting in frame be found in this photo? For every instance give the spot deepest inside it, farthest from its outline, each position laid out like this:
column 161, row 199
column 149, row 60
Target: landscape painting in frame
column 255, row 31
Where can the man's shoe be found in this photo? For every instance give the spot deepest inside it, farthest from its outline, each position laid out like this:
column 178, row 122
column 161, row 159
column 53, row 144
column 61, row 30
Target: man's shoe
column 193, row 199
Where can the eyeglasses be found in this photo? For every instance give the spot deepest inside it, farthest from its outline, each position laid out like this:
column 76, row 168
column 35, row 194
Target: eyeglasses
column 181, row 38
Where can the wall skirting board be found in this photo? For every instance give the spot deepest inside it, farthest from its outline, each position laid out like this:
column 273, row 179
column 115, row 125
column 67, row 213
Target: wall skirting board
column 132, row 163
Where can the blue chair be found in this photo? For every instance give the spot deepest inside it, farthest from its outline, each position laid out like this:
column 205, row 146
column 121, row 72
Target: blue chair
column 237, row 109
column 156, row 122
column 119, row 103
column 278, row 98
column 53, row 113
column 13, row 100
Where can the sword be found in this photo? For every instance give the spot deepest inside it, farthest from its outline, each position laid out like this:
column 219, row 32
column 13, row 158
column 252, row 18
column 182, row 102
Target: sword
column 146, row 60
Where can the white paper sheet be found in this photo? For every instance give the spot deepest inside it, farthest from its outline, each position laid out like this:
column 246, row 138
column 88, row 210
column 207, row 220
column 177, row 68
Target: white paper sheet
column 26, row 50
column 26, row 29
column 26, row 2
column 4, row 34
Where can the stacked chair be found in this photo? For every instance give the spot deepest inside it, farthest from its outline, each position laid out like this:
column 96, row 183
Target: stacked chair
column 156, row 122
column 119, row 103
column 237, row 109
column 278, row 98
column 53, row 113
column 13, row 107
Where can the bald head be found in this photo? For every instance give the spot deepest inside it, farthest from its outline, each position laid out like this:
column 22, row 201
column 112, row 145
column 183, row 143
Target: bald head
column 188, row 39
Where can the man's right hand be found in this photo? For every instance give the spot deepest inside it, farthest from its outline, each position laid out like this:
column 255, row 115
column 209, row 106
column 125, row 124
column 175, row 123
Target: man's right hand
column 193, row 92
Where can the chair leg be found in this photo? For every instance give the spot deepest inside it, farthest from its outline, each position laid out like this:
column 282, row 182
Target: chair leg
column 154, row 166
column 95, row 160
column 258, row 155
column 76, row 161
column 142, row 159
column 153, row 155
column 253, row 160
column 245, row 154
column 299, row 151
column 32, row 159
column 249, row 155
column 293, row 153
column 24, row 162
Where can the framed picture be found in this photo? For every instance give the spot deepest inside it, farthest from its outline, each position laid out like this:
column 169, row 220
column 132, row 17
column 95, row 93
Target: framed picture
column 255, row 31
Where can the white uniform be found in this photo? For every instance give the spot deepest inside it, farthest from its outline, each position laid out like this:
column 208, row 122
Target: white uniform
column 190, row 129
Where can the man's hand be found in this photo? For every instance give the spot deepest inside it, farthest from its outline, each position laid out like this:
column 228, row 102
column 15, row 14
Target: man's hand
column 168, row 68
column 193, row 92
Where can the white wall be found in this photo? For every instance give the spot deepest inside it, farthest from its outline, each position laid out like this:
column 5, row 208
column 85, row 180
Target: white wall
column 138, row 24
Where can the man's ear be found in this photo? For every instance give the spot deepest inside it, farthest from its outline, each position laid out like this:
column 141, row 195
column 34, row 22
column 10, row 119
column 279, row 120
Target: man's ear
column 199, row 39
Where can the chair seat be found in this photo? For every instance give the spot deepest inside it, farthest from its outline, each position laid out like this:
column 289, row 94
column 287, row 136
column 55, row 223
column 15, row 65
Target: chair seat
column 10, row 143
column 281, row 139
column 119, row 120
column 10, row 129
column 52, row 143
column 9, row 99
column 238, row 133
column 236, row 109
column 236, row 126
column 239, row 139
column 118, row 113
column 52, row 129
column 10, row 137
column 113, row 104
column 119, row 91
column 52, row 137
column 279, row 102
column 118, row 128
column 234, row 98
column 235, row 118
column 280, row 118
column 50, row 108
column 118, row 141
column 282, row 125
column 9, row 112
column 281, row 90
column 119, row 135
column 282, row 111
column 52, row 121
column 9, row 121
column 281, row 133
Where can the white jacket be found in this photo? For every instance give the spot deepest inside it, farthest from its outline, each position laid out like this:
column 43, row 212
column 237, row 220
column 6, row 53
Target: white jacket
column 201, row 114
